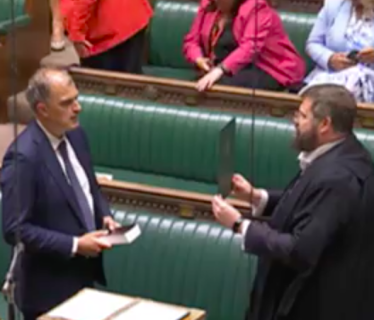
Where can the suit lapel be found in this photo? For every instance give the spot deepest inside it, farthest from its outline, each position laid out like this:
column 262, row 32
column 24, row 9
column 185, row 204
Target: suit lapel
column 56, row 171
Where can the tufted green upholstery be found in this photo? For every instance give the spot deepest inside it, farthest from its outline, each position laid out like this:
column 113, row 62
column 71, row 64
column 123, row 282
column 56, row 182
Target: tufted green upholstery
column 298, row 27
column 21, row 17
column 171, row 22
column 176, row 147
column 197, row 264
column 153, row 144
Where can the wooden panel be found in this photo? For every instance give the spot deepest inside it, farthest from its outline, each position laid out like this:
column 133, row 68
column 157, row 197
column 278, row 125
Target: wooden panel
column 176, row 92
column 31, row 45
column 190, row 205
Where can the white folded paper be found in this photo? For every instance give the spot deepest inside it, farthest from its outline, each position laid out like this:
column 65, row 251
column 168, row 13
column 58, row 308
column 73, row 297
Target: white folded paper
column 123, row 235
column 144, row 310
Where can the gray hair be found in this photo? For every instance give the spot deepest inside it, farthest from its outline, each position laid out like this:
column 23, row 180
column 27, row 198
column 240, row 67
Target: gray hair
column 39, row 87
column 335, row 102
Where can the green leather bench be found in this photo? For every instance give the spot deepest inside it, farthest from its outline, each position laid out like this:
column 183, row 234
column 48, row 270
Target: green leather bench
column 177, row 147
column 171, row 22
column 183, row 262
column 174, row 147
column 21, row 17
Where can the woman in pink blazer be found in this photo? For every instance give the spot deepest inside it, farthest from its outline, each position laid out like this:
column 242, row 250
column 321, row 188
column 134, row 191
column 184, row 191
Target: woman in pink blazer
column 233, row 43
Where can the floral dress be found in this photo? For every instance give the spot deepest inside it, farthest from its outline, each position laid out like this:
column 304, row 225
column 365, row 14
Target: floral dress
column 358, row 79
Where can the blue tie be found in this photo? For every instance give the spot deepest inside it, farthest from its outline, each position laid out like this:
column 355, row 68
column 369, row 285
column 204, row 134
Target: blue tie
column 79, row 194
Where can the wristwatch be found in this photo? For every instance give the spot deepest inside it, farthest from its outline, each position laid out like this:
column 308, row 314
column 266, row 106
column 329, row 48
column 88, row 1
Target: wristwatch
column 237, row 224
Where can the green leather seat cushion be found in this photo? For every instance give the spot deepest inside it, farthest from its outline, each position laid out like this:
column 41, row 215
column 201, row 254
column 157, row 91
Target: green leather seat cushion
column 172, row 21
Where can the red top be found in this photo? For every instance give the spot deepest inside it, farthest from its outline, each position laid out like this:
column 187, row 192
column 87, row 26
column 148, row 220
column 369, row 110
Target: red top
column 106, row 23
column 277, row 55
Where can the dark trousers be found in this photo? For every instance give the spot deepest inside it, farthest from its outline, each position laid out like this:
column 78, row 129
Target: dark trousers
column 251, row 77
column 125, row 57
column 30, row 315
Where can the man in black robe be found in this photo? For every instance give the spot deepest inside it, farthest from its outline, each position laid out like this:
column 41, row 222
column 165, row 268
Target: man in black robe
column 316, row 251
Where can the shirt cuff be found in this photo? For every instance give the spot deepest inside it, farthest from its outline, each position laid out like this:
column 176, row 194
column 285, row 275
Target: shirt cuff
column 245, row 224
column 75, row 246
column 259, row 209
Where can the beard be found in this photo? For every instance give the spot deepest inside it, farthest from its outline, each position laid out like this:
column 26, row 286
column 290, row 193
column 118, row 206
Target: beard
column 305, row 141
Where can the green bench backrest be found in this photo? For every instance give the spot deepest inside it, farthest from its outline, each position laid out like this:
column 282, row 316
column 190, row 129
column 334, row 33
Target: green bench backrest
column 263, row 151
column 172, row 21
column 183, row 142
column 21, row 17
column 298, row 26
column 183, row 262
column 146, row 137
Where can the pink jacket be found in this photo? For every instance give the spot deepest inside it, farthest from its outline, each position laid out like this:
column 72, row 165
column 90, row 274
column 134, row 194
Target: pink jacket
column 277, row 55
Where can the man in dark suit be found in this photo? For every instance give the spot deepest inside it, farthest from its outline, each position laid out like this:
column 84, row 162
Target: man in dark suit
column 316, row 256
column 52, row 204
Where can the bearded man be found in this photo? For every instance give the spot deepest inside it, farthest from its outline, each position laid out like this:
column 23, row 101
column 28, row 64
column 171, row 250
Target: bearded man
column 316, row 256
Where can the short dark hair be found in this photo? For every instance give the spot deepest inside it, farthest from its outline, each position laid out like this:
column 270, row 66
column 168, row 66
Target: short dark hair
column 335, row 102
column 212, row 6
column 39, row 87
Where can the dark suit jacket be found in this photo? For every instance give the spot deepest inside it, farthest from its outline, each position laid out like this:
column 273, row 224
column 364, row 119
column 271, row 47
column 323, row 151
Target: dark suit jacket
column 317, row 251
column 44, row 214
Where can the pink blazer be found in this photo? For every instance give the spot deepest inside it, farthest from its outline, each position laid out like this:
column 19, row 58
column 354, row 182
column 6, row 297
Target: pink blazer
column 277, row 55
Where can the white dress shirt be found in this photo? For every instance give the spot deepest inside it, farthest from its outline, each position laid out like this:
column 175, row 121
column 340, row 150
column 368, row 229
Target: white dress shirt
column 305, row 160
column 79, row 171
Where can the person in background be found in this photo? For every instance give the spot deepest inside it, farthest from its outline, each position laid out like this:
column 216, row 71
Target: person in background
column 62, row 213
column 341, row 44
column 316, row 256
column 58, row 36
column 242, row 43
column 110, row 34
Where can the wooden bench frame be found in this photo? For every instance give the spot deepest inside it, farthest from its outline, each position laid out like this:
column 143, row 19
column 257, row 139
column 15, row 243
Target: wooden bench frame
column 183, row 93
column 185, row 204
column 28, row 51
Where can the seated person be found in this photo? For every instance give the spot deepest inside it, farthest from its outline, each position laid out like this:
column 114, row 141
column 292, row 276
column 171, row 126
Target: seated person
column 341, row 44
column 235, row 44
column 109, row 34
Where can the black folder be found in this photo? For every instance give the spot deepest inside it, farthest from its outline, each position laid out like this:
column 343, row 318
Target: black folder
column 226, row 158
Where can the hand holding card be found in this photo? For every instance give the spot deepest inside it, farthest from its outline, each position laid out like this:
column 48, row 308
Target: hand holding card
column 123, row 235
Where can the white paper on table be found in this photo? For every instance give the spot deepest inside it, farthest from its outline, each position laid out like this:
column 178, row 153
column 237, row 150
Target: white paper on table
column 90, row 304
column 152, row 310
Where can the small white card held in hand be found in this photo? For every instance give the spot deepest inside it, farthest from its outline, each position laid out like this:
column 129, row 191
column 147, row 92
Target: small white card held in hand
column 123, row 235
column 144, row 310
column 90, row 305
